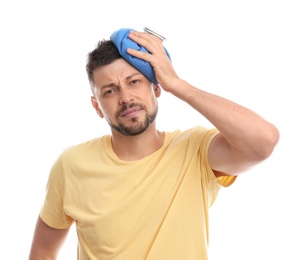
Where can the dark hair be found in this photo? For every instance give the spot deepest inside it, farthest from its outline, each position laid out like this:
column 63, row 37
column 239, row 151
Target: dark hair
column 105, row 53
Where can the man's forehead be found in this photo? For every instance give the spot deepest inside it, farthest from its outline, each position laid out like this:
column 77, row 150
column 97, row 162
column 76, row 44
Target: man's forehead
column 117, row 70
column 120, row 66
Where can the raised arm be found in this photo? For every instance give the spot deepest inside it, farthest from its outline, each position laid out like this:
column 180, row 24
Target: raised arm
column 46, row 242
column 245, row 138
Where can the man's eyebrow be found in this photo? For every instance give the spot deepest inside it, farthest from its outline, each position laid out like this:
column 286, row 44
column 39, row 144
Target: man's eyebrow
column 110, row 85
column 133, row 75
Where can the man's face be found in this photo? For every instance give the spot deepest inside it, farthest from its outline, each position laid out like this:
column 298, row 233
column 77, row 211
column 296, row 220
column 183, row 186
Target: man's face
column 124, row 97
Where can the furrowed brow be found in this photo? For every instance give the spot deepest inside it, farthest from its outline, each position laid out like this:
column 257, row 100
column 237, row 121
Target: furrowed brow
column 109, row 85
column 133, row 75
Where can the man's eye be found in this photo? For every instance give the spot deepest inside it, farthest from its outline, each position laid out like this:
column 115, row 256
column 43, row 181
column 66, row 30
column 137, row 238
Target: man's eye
column 135, row 81
column 108, row 92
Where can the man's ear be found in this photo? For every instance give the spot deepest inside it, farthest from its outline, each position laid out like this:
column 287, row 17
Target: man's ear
column 95, row 105
column 157, row 90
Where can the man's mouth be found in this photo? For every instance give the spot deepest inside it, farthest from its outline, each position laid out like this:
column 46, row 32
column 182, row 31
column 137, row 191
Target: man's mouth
column 131, row 112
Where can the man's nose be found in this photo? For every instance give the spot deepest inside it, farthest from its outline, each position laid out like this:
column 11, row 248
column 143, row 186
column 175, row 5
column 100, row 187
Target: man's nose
column 125, row 96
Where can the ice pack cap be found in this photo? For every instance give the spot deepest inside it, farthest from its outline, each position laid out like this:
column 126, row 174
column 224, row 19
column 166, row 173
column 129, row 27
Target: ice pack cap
column 122, row 42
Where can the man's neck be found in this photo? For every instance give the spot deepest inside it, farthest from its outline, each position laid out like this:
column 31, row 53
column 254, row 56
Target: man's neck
column 132, row 148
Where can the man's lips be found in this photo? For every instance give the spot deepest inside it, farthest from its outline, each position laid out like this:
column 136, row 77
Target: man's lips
column 130, row 112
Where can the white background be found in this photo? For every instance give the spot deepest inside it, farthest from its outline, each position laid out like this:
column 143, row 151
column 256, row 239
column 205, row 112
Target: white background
column 252, row 52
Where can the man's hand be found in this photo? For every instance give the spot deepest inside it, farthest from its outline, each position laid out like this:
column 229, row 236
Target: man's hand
column 160, row 62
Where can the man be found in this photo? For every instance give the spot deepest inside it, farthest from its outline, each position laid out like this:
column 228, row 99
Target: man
column 141, row 193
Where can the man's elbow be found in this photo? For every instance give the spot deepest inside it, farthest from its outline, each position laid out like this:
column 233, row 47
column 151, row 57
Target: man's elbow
column 268, row 143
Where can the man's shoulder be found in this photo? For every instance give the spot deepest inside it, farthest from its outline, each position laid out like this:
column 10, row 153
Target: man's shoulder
column 195, row 135
column 193, row 131
column 87, row 146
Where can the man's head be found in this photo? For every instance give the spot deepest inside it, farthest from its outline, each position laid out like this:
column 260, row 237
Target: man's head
column 121, row 94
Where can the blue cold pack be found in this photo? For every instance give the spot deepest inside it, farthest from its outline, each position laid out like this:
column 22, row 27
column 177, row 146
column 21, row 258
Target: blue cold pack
column 122, row 42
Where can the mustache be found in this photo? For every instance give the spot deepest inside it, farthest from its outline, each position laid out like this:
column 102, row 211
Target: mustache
column 126, row 107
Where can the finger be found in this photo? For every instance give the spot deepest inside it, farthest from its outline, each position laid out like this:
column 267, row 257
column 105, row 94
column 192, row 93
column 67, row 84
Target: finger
column 143, row 37
column 139, row 54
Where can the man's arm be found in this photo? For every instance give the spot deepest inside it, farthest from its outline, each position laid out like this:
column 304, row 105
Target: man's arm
column 245, row 138
column 47, row 241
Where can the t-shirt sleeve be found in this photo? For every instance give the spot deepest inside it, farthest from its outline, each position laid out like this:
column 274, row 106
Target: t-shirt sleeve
column 209, row 180
column 52, row 212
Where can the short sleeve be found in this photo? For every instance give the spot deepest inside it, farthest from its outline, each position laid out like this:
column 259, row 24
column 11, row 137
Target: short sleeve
column 52, row 212
column 209, row 181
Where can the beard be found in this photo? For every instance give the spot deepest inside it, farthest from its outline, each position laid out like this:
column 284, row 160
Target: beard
column 138, row 127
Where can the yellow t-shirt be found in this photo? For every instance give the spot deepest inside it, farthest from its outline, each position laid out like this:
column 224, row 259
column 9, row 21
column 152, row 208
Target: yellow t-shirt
column 155, row 208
